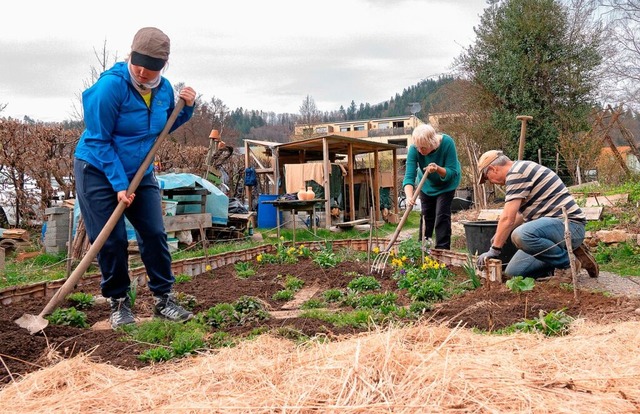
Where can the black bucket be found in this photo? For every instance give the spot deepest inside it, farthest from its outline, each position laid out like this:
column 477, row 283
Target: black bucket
column 479, row 234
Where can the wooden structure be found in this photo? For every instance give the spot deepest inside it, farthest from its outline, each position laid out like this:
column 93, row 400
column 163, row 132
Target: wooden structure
column 327, row 149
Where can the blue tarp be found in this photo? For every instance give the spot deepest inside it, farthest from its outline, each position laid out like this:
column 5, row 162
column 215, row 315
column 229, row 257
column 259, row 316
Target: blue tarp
column 217, row 202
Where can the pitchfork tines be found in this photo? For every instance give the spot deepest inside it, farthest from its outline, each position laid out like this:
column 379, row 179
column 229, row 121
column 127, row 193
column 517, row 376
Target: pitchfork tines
column 380, row 262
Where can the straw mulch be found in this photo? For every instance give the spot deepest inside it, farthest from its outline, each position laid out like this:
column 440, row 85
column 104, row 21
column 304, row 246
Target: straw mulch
column 596, row 369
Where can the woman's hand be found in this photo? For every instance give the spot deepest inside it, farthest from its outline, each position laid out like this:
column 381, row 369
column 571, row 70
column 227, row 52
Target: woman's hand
column 122, row 196
column 188, row 94
column 431, row 168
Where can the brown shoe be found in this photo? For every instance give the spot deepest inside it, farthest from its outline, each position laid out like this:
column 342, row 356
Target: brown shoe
column 586, row 260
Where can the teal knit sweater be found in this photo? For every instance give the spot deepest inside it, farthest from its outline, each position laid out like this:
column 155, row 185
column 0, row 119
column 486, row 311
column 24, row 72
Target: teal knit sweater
column 445, row 156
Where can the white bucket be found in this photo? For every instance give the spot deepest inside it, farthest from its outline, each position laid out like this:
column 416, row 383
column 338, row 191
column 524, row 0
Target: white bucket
column 169, row 207
column 173, row 244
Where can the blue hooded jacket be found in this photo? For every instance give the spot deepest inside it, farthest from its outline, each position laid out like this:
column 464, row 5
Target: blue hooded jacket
column 119, row 127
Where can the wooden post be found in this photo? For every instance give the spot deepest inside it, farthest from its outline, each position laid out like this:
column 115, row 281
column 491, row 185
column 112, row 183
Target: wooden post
column 70, row 242
column 572, row 265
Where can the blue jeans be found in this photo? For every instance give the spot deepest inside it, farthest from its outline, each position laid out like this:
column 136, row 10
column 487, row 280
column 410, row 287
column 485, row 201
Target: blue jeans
column 542, row 247
column 97, row 201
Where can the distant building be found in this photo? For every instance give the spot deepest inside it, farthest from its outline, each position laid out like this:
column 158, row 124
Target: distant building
column 395, row 130
column 627, row 154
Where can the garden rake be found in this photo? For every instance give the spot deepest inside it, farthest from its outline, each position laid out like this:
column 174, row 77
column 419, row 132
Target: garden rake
column 380, row 261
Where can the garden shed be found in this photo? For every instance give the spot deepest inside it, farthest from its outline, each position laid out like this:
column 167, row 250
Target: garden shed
column 311, row 159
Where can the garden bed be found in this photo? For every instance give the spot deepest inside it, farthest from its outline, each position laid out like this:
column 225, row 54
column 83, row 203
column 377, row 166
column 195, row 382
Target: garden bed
column 490, row 307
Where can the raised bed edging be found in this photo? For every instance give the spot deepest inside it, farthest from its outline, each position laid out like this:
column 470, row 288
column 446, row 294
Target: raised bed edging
column 192, row 267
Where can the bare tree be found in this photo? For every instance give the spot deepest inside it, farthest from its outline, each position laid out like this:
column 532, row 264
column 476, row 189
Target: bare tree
column 623, row 29
column 105, row 60
column 310, row 116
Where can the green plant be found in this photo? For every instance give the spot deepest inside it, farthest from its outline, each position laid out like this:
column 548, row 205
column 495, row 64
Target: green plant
column 470, row 271
column 313, row 304
column 183, row 278
column 185, row 342
column 186, row 301
column 220, row 316
column 250, row 309
column 326, row 258
column 376, row 300
column 518, row 284
column 362, row 283
column 420, row 307
column 221, row 339
column 332, row 295
column 68, row 317
column 411, row 250
column 554, row 323
column 244, row 269
column 47, row 259
column 425, row 283
column 293, row 283
column 621, row 258
column 157, row 354
column 283, row 295
column 81, row 300
column 133, row 293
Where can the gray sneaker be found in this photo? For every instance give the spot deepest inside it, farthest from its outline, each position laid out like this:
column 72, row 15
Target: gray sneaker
column 120, row 312
column 168, row 308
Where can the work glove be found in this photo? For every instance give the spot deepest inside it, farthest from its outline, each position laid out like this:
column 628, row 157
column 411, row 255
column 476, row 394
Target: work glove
column 493, row 253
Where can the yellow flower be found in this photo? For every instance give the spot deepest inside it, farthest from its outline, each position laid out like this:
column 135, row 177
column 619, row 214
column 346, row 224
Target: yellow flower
column 405, row 258
column 376, row 250
column 259, row 258
column 208, row 267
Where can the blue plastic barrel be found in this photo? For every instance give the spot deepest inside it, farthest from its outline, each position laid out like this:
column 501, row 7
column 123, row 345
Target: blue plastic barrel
column 267, row 212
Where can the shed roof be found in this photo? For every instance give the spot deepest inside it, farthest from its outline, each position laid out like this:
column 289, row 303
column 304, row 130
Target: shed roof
column 338, row 144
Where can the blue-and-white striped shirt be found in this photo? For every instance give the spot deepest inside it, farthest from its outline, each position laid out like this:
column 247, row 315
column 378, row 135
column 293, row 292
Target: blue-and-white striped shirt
column 542, row 192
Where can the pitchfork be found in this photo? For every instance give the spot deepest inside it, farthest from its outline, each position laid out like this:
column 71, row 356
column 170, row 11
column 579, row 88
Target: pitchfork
column 380, row 262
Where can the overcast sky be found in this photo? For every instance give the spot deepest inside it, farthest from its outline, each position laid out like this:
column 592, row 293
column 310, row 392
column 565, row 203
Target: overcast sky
column 255, row 54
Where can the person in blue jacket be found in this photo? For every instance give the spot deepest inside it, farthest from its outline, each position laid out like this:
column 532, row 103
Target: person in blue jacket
column 436, row 155
column 124, row 113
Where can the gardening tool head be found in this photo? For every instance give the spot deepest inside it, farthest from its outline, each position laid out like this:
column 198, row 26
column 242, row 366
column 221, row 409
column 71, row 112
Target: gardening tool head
column 32, row 323
column 380, row 262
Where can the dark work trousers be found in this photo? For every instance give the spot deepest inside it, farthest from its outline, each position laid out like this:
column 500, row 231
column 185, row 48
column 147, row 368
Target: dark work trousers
column 97, row 201
column 436, row 213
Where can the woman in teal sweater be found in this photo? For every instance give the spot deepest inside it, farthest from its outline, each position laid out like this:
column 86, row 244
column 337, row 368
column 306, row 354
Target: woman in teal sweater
column 436, row 155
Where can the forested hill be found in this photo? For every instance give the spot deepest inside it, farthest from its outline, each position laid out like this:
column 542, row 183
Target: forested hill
column 397, row 105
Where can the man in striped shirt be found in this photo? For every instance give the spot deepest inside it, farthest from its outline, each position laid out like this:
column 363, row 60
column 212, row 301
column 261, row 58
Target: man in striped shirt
column 533, row 216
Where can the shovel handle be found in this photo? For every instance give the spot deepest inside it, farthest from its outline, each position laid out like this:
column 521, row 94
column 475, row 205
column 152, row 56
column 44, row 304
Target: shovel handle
column 104, row 234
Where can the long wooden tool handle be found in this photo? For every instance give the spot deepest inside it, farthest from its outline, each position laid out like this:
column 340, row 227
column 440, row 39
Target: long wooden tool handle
column 416, row 192
column 523, row 132
column 84, row 264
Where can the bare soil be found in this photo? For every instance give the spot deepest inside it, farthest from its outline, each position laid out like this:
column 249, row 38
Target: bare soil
column 490, row 307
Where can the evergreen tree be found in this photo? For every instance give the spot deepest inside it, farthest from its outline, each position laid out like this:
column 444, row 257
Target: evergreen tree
column 532, row 60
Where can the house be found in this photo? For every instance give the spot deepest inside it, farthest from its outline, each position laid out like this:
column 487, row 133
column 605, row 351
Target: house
column 394, row 130
column 628, row 156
